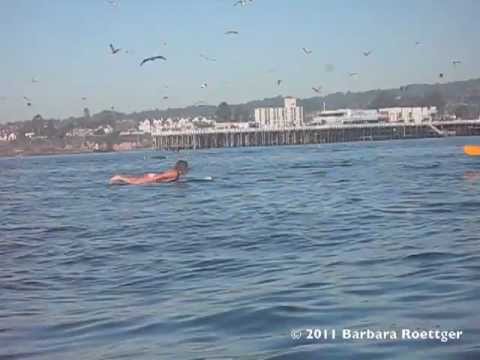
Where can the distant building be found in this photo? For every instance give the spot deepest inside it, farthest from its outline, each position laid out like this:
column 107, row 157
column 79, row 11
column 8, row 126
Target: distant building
column 290, row 115
column 415, row 115
column 79, row 132
column 346, row 116
column 145, row 126
column 29, row 135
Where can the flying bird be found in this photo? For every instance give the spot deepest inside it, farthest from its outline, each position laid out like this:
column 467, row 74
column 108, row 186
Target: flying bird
column 204, row 86
column 207, row 58
column 456, row 62
column 352, row 74
column 441, row 75
column 153, row 58
column 113, row 2
column 28, row 101
column 367, row 53
column 35, row 81
column 306, row 51
column 231, row 32
column 113, row 50
column 165, row 98
column 418, row 43
column 84, row 98
column 318, row 89
column 279, row 82
column 240, row 2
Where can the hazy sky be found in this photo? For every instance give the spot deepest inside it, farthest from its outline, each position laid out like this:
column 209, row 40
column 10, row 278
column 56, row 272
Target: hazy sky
column 63, row 44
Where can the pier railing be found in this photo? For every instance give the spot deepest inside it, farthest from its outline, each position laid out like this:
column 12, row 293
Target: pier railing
column 310, row 127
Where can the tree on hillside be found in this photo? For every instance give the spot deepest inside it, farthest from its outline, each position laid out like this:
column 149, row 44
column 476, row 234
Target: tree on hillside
column 241, row 113
column 435, row 98
column 224, row 112
column 466, row 112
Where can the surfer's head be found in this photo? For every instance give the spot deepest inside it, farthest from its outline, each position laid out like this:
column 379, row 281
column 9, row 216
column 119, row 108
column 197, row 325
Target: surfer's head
column 181, row 166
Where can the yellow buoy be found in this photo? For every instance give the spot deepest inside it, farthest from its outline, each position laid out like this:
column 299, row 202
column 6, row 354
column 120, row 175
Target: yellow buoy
column 472, row 150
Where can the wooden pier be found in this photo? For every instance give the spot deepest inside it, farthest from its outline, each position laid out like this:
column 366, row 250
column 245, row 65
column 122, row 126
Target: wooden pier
column 210, row 138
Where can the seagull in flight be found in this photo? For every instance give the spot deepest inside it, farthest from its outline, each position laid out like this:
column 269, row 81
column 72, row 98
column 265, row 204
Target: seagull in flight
column 456, row 62
column 306, row 51
column 242, row 2
column 279, row 82
column 317, row 89
column 205, row 57
column 29, row 102
column 165, row 98
column 418, row 43
column 113, row 50
column 352, row 74
column 204, row 85
column 231, row 32
column 367, row 53
column 153, row 58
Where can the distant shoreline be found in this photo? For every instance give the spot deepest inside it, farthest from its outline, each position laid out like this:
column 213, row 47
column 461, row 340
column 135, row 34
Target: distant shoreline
column 13, row 152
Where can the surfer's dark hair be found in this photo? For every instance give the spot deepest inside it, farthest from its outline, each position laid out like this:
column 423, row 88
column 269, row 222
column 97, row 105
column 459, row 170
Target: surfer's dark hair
column 181, row 165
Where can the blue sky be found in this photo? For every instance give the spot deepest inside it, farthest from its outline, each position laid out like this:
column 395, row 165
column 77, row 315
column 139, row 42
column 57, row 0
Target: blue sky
column 64, row 45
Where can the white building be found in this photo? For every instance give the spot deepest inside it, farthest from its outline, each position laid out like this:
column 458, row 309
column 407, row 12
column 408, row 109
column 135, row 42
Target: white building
column 346, row 116
column 145, row 126
column 415, row 115
column 290, row 115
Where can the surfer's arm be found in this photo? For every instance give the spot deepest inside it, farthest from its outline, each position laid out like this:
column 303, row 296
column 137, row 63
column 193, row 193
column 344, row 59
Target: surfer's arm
column 167, row 176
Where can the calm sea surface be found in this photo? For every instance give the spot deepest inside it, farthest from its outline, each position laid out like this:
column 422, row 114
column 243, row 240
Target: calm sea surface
column 382, row 235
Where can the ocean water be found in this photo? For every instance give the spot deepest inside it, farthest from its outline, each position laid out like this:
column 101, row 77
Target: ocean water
column 378, row 235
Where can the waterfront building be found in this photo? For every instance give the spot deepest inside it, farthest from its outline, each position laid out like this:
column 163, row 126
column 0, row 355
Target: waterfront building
column 415, row 115
column 346, row 117
column 290, row 115
column 145, row 126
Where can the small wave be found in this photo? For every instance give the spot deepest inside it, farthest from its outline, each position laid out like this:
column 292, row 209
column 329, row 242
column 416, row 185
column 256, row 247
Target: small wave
column 428, row 166
column 430, row 255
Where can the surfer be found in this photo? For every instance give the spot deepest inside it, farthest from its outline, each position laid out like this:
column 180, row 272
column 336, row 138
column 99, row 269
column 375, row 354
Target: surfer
column 170, row 175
